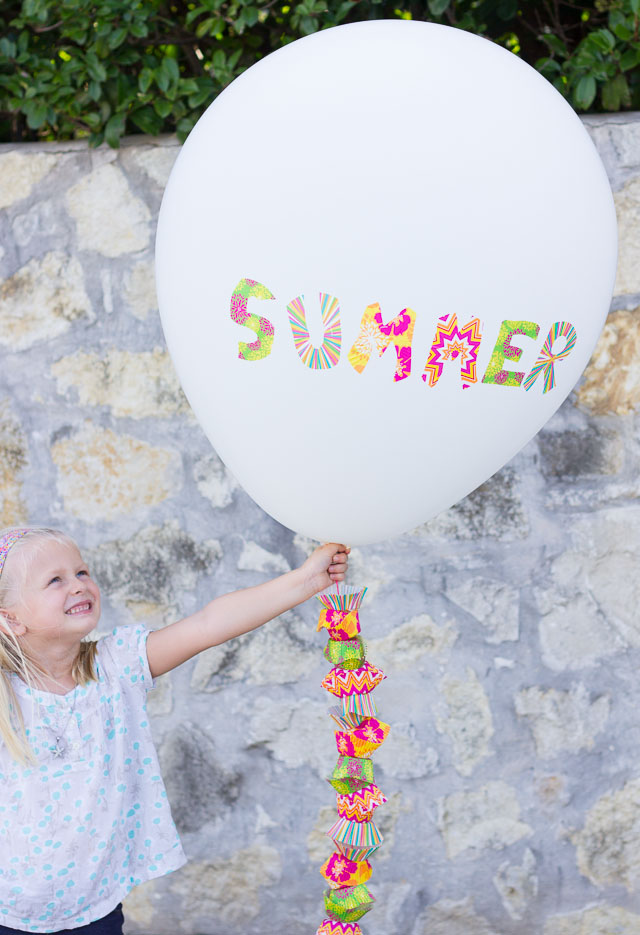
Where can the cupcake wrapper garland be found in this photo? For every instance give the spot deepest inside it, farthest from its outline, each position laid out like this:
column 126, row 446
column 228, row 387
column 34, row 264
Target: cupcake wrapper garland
column 341, row 871
column 349, row 903
column 332, row 927
column 355, row 835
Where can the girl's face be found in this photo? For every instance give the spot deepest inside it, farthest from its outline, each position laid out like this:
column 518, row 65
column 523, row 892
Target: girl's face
column 58, row 597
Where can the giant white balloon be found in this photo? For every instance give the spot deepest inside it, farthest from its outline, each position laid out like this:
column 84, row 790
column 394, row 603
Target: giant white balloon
column 384, row 256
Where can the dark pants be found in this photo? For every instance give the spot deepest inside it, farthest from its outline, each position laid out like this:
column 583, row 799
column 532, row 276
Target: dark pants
column 110, row 925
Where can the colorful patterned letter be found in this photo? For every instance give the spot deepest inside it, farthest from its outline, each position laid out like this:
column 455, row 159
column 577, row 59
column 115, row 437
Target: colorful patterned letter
column 505, row 349
column 265, row 332
column 328, row 354
column 376, row 336
column 452, row 342
column 546, row 360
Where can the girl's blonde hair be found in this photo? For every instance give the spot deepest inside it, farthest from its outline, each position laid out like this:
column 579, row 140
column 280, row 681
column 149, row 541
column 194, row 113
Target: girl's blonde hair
column 12, row 657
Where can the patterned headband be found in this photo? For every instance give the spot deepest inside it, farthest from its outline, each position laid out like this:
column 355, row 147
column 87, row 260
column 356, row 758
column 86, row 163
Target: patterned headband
column 7, row 542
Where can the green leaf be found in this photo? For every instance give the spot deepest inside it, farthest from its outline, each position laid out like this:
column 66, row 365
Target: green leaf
column 36, row 113
column 144, row 79
column 95, row 90
column 629, row 59
column 116, row 38
column 162, row 78
column 585, row 92
column 615, row 93
column 635, row 7
column 162, row 107
column 147, row 120
column 114, row 129
column 438, row 7
column 139, row 30
column 170, row 68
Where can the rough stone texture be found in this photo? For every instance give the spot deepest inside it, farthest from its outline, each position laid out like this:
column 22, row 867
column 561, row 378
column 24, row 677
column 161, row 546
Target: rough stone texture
column 13, row 462
column 139, row 385
column 601, row 920
column 226, row 890
column 102, row 473
column 562, row 722
column 494, row 604
column 468, row 723
column 20, row 172
column 41, row 301
column 517, row 885
column 611, row 384
column 451, row 917
column 485, row 818
column 507, row 626
column 628, row 211
column 608, row 847
column 103, row 193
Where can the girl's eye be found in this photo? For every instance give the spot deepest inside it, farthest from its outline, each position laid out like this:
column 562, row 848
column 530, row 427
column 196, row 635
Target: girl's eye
column 84, row 572
column 53, row 580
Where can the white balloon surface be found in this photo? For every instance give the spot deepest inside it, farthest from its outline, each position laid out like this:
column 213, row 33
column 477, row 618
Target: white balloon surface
column 384, row 256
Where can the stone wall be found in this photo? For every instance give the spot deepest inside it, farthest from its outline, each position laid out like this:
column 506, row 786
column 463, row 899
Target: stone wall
column 508, row 625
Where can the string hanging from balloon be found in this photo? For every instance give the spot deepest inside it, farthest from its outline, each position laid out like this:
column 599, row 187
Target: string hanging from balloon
column 360, row 733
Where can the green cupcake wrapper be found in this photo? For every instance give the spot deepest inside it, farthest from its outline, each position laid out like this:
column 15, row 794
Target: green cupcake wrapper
column 347, row 654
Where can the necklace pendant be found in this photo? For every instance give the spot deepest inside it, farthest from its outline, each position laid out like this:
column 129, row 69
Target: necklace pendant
column 58, row 750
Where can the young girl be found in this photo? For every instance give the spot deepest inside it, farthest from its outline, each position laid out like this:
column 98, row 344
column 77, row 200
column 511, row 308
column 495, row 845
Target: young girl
column 84, row 815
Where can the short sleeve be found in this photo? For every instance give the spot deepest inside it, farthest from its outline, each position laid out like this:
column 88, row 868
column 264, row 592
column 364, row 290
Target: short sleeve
column 122, row 655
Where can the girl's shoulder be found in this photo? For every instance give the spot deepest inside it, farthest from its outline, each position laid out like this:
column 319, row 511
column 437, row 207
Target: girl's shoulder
column 122, row 654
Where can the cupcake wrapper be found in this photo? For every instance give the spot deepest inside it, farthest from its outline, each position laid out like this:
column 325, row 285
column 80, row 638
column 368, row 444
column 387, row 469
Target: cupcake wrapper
column 341, row 682
column 341, row 871
column 333, row 927
column 360, row 805
column 351, row 773
column 362, row 741
column 348, row 654
column 362, row 705
column 348, row 721
column 353, row 852
column 349, row 903
column 355, row 833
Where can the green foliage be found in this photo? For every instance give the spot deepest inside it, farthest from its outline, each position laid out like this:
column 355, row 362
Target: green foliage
column 98, row 69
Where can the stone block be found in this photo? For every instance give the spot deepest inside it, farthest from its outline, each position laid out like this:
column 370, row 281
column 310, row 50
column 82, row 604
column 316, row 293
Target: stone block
column 496, row 605
column 133, row 385
column 468, row 723
column 488, row 817
column 20, row 172
column 109, row 218
column 608, row 847
column 562, row 721
column 103, row 474
column 611, row 382
column 42, row 301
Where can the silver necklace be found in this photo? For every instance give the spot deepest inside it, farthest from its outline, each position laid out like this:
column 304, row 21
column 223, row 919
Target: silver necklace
column 58, row 732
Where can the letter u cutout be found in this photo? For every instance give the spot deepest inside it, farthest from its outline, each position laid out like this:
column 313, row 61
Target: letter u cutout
column 328, row 354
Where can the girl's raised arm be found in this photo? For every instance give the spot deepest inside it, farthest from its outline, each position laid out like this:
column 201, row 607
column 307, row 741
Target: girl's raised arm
column 245, row 610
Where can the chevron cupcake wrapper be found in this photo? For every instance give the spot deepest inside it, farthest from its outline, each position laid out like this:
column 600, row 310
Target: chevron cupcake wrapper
column 362, row 741
column 360, row 805
column 349, row 903
column 333, row 927
column 355, row 835
column 353, row 681
column 341, row 871
column 348, row 654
